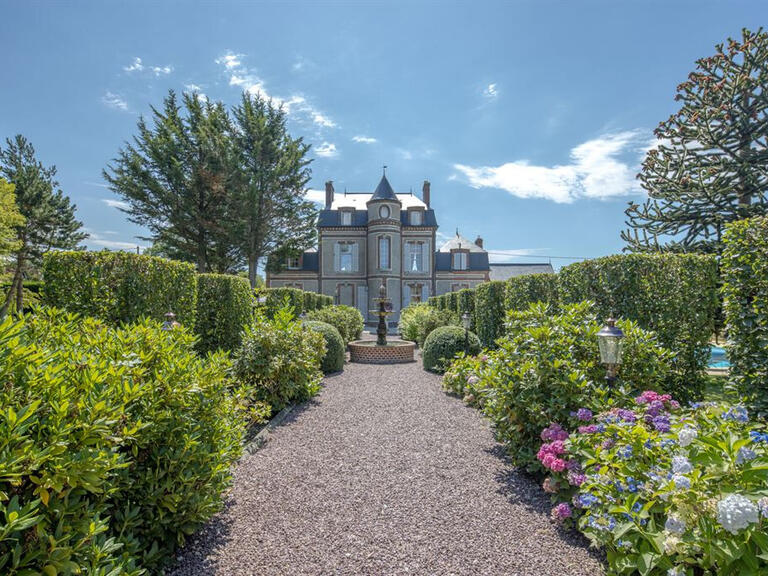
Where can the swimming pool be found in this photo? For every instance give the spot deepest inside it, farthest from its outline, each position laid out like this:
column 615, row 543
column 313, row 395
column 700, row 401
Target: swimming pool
column 718, row 357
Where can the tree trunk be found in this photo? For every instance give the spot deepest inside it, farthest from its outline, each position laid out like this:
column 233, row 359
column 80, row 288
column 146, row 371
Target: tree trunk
column 252, row 264
column 20, row 295
column 17, row 278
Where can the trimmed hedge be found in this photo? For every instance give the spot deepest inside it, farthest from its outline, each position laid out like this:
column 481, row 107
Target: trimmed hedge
column 745, row 290
column 346, row 319
column 522, row 291
column 277, row 298
column 120, row 287
column 675, row 295
column 418, row 320
column 333, row 361
column 224, row 308
column 489, row 312
column 442, row 345
column 117, row 443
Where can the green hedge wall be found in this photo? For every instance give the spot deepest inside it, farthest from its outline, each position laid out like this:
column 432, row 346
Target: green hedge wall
column 120, row 287
column 489, row 312
column 300, row 300
column 521, row 291
column 744, row 267
column 675, row 295
column 224, row 307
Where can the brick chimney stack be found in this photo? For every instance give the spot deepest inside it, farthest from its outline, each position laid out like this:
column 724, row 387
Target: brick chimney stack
column 328, row 194
column 479, row 242
column 425, row 192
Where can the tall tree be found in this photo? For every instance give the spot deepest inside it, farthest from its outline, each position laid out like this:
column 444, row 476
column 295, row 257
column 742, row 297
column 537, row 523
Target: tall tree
column 711, row 164
column 273, row 172
column 49, row 217
column 10, row 219
column 175, row 178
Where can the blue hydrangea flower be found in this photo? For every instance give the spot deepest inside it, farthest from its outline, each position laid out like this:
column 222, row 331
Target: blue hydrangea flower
column 758, row 437
column 681, row 482
column 681, row 465
column 737, row 414
column 745, row 455
column 625, row 452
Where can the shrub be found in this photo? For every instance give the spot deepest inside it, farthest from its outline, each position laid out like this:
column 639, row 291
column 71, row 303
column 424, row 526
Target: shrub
column 444, row 343
column 418, row 320
column 548, row 366
column 224, row 307
column 674, row 295
column 521, row 291
column 467, row 303
column 117, row 443
column 489, row 312
column 120, row 287
column 311, row 301
column 32, row 290
column 465, row 378
column 278, row 298
column 745, row 269
column 663, row 490
column 346, row 319
column 279, row 362
column 452, row 301
column 333, row 361
column 325, row 300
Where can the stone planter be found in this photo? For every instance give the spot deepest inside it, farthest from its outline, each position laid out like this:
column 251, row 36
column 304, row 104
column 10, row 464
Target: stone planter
column 368, row 352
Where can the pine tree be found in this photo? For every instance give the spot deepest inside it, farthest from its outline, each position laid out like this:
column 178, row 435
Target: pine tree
column 271, row 178
column 711, row 163
column 49, row 217
column 10, row 219
column 175, row 178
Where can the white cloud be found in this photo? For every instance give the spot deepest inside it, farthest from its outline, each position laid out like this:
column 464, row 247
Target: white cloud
column 595, row 171
column 112, row 203
column 96, row 238
column 114, row 101
column 192, row 88
column 317, row 196
column 323, row 120
column 326, row 150
column 404, row 154
column 229, row 60
column 491, row 91
column 135, row 66
column 364, row 139
column 162, row 70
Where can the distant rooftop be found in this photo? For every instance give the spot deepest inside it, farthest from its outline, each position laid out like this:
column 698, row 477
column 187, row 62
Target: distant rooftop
column 507, row 270
column 458, row 242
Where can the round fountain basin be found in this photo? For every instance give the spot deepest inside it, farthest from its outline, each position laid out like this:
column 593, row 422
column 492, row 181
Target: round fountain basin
column 394, row 352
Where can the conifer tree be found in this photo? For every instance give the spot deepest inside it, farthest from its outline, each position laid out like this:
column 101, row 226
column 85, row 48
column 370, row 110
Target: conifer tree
column 711, row 163
column 10, row 219
column 49, row 217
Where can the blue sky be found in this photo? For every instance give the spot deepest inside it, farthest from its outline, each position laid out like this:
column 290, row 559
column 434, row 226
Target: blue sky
column 529, row 118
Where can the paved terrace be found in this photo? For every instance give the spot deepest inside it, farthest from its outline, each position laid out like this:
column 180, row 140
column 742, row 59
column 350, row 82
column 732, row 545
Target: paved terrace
column 383, row 473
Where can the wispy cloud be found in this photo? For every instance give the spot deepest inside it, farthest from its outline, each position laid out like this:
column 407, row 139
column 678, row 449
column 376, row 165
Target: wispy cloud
column 317, row 196
column 162, row 70
column 600, row 168
column 115, row 101
column 135, row 66
column 491, row 91
column 364, row 139
column 510, row 255
column 112, row 203
column 97, row 239
column 247, row 79
column 326, row 150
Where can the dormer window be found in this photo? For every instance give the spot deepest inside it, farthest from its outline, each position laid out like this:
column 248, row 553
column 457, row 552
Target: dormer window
column 416, row 217
column 293, row 263
column 384, row 212
column 459, row 260
column 346, row 217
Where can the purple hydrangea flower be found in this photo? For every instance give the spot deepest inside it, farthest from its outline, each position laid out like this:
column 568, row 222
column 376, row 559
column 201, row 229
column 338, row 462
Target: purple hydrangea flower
column 562, row 511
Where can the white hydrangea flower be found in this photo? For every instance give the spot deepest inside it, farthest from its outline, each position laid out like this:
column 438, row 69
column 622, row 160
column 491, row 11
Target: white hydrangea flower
column 670, row 544
column 736, row 512
column 681, row 482
column 681, row 465
column 674, row 524
column 762, row 504
column 678, row 571
column 687, row 435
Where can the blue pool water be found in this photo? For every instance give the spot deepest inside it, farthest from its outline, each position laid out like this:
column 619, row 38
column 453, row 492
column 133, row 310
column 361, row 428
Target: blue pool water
column 718, row 357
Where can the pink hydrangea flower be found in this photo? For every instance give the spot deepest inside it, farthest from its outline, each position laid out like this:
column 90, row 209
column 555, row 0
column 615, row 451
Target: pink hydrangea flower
column 562, row 511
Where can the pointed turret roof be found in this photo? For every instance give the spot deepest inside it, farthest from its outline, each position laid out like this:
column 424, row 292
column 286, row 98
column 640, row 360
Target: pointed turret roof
column 384, row 191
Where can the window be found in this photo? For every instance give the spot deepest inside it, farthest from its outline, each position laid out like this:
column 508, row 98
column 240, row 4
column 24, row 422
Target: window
column 384, row 260
column 384, row 212
column 346, row 217
column 457, row 287
column 415, row 293
column 416, row 217
column 345, row 257
column 414, row 257
column 459, row 260
column 297, row 285
column 294, row 263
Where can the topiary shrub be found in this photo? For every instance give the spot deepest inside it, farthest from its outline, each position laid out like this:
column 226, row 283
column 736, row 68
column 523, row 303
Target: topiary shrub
column 120, row 287
column 117, row 443
column 418, row 320
column 444, row 343
column 279, row 362
column 745, row 270
column 346, row 319
column 333, row 361
column 224, row 308
column 674, row 295
column 521, row 291
column 489, row 312
column 277, row 298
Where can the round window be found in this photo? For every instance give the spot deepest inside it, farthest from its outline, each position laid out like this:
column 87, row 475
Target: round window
column 384, row 212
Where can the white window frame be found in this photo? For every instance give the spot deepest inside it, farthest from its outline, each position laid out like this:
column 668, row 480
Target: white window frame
column 387, row 241
column 345, row 217
column 290, row 263
column 463, row 260
column 344, row 250
column 416, row 214
column 411, row 258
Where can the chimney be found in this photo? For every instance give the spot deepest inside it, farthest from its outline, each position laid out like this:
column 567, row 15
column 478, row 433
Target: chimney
column 425, row 192
column 328, row 194
column 479, row 242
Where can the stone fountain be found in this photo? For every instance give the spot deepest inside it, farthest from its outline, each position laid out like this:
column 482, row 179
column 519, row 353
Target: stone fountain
column 383, row 351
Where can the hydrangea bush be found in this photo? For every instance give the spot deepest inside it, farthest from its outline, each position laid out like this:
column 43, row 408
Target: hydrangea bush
column 664, row 490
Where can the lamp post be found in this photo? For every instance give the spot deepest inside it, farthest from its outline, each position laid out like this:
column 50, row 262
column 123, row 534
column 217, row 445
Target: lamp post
column 465, row 321
column 170, row 322
column 610, row 341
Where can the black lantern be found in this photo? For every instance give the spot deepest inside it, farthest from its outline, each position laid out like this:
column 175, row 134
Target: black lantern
column 170, row 322
column 610, row 340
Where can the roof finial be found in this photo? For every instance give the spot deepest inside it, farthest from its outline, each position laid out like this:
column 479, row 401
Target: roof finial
column 457, row 230
column 384, row 169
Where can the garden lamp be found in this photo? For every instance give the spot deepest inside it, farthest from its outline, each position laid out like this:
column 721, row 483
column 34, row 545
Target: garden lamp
column 610, row 341
column 170, row 322
column 465, row 321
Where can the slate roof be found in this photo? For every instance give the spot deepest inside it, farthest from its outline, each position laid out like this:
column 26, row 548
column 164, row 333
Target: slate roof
column 384, row 190
column 507, row 270
column 331, row 218
column 478, row 261
column 310, row 262
column 458, row 242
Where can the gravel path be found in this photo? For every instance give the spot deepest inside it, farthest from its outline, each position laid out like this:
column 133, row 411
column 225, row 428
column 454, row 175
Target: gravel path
column 383, row 473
